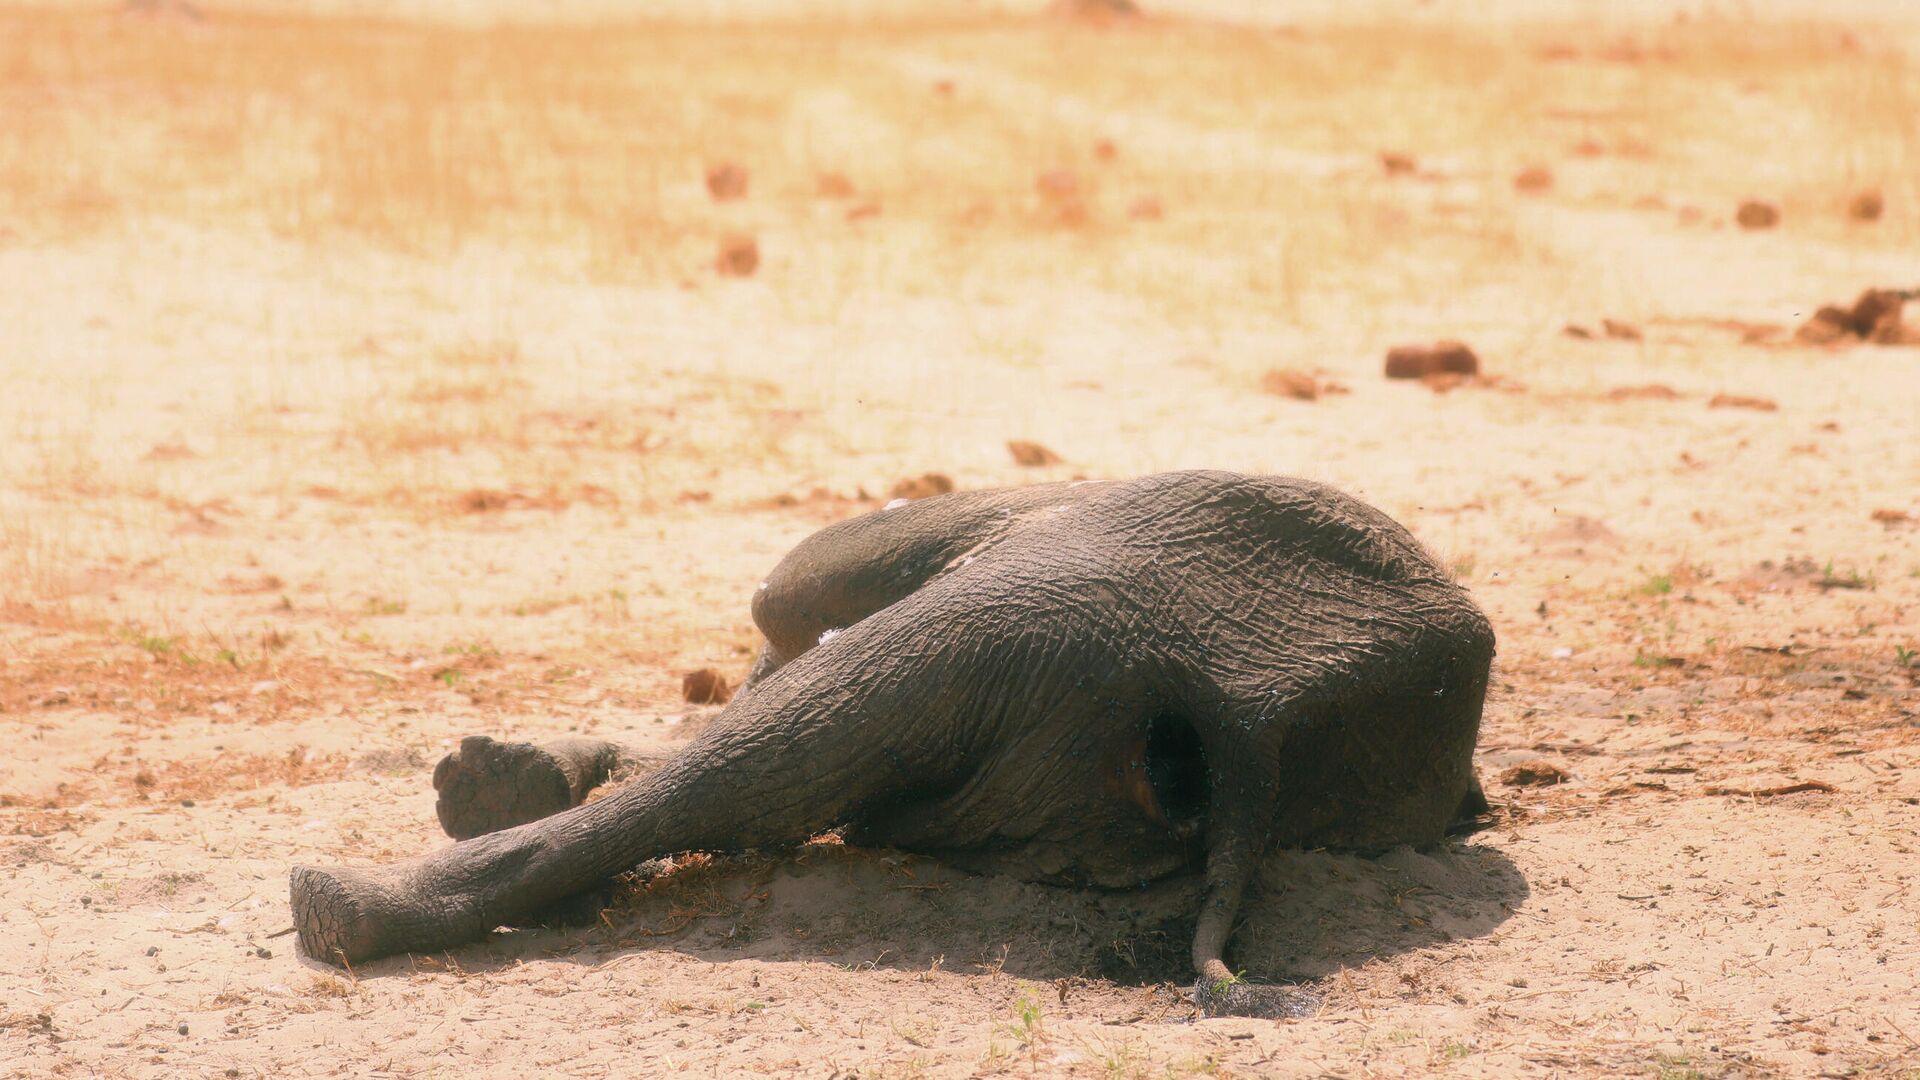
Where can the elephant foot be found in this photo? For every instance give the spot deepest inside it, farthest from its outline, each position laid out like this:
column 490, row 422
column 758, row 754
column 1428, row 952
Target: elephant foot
column 343, row 916
column 1237, row 997
column 486, row 786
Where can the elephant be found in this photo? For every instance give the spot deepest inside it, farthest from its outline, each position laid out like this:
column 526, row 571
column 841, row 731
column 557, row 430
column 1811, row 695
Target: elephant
column 1091, row 683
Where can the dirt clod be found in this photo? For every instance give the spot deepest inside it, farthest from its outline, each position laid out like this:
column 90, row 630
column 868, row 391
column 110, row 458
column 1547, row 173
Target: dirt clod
column 1396, row 164
column 1538, row 773
column 1031, row 454
column 1419, row 361
column 726, row 181
column 1621, row 331
column 833, row 185
column 705, row 687
column 1867, row 206
column 1754, row 214
column 739, row 256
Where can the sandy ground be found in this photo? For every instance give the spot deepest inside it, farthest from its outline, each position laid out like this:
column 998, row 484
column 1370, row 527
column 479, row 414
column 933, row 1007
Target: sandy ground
column 367, row 384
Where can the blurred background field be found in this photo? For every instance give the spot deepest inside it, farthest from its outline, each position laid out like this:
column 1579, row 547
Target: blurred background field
column 374, row 373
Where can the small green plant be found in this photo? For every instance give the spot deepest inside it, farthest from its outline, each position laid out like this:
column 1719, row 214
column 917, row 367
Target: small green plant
column 1906, row 656
column 1852, row 578
column 1658, row 585
column 1030, row 1023
column 377, row 606
column 450, row 677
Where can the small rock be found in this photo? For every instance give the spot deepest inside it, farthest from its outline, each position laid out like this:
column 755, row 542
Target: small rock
column 1754, row 214
column 1867, row 206
column 1031, row 454
column 739, row 256
column 1577, row 332
column 1533, row 179
column 1741, row 401
column 705, row 687
column 182, row 1029
column 153, row 950
column 1620, row 331
column 924, row 486
column 863, row 210
column 1397, row 164
column 1286, row 382
column 1419, row 361
column 1893, row 518
column 1534, row 774
column 726, row 181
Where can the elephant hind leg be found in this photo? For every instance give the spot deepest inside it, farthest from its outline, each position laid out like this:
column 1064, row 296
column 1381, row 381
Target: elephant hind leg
column 486, row 785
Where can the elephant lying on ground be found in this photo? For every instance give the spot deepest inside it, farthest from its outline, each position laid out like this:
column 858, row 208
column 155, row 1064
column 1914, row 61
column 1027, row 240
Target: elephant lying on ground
column 1099, row 683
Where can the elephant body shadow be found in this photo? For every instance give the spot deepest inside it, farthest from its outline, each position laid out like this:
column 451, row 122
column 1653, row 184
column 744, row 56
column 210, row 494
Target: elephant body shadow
column 1311, row 914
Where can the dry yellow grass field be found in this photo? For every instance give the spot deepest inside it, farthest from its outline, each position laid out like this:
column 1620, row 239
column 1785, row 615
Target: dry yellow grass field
column 369, row 381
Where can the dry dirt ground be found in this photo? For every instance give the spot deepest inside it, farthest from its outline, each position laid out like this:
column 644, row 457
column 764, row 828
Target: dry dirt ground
column 368, row 383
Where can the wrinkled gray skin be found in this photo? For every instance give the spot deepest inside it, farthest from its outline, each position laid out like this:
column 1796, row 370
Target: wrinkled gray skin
column 1093, row 683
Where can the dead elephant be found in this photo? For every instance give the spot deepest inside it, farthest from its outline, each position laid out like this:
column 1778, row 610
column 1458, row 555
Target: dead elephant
column 1099, row 683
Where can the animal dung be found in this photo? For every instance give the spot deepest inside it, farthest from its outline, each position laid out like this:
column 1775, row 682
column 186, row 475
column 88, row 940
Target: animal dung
column 1876, row 316
column 726, row 181
column 705, row 687
column 1533, row 179
column 1420, row 361
column 739, row 256
column 1867, row 206
column 1031, row 454
column 1539, row 773
column 926, row 485
column 1289, row 383
column 1754, row 214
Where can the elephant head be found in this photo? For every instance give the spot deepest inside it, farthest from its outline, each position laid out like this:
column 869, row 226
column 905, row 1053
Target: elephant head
column 1098, row 683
